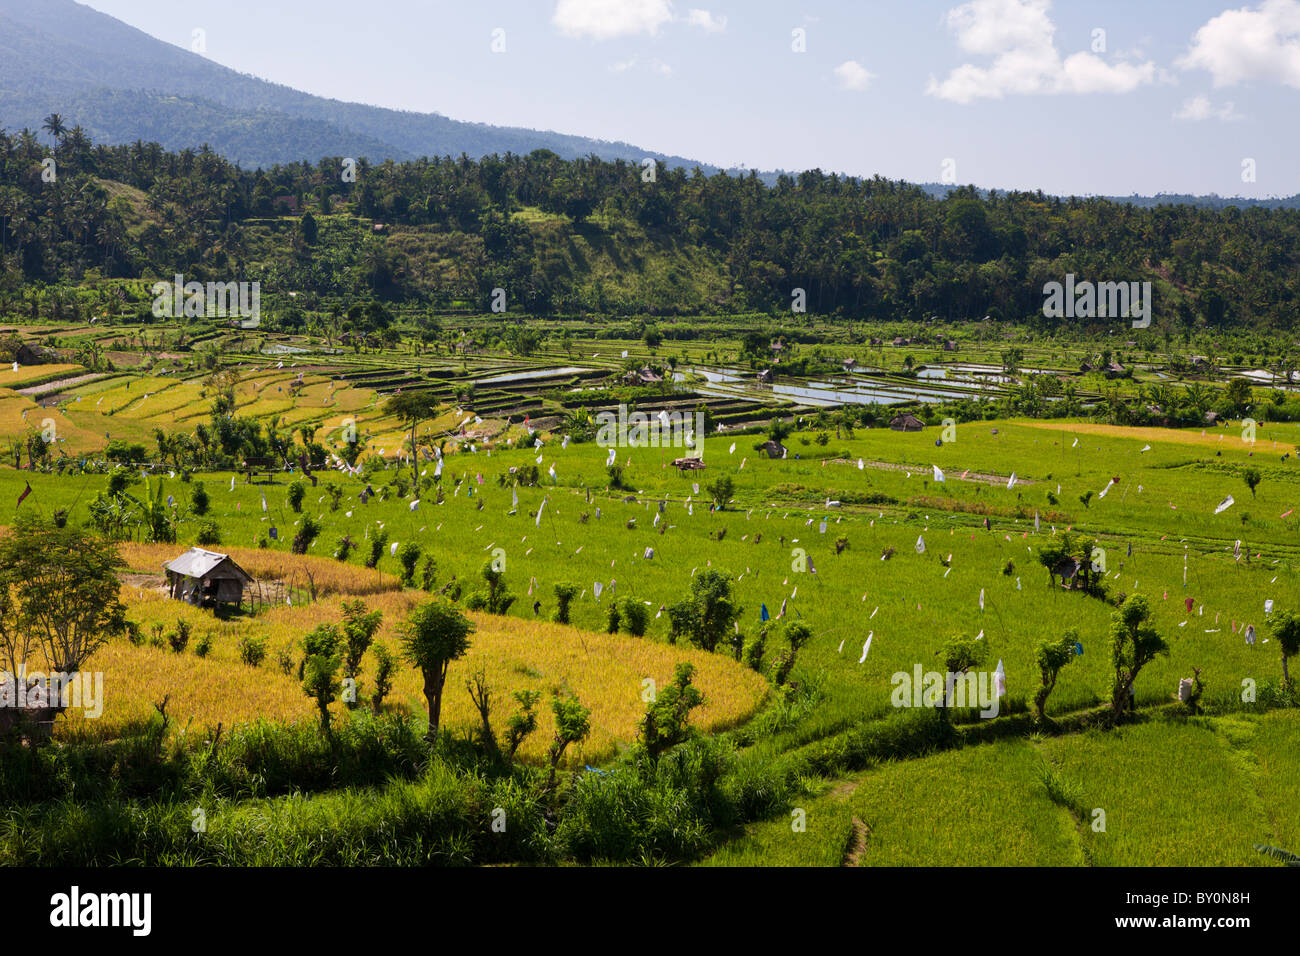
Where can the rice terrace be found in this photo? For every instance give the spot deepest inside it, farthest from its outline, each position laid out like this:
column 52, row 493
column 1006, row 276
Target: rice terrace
column 551, row 507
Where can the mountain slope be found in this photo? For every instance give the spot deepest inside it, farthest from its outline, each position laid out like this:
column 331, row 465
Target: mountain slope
column 122, row 84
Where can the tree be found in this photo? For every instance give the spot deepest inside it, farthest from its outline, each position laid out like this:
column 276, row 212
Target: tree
column 1239, row 395
column 58, row 594
column 721, row 490
column 665, row 723
column 1052, row 655
column 320, row 669
column 523, row 721
column 1285, row 628
column 572, row 725
column 1252, row 478
column 435, row 635
column 960, row 654
column 54, row 125
column 359, row 627
column 708, row 614
column 778, row 430
column 412, row 408
column 1134, row 644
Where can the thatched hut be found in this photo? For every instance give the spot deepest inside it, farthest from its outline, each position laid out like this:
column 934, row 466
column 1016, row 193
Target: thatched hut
column 906, row 422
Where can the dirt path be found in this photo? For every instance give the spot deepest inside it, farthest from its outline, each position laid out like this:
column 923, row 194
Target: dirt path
column 857, row 844
column 924, row 470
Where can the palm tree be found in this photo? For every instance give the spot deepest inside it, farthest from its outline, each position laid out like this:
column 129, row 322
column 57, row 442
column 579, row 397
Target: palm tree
column 54, row 125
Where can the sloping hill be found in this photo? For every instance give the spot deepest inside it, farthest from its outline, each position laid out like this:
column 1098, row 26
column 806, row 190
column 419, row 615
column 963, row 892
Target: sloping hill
column 122, row 85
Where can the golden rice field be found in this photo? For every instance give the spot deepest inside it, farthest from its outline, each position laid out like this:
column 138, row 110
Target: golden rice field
column 30, row 373
column 331, row 577
column 1206, row 438
column 605, row 671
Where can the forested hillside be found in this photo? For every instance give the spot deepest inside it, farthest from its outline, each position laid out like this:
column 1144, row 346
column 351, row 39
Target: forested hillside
column 599, row 238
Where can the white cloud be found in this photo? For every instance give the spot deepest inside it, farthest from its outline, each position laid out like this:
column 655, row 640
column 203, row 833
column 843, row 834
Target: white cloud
column 706, row 21
column 1198, row 109
column 1018, row 34
column 607, row 19
column 1261, row 43
column 852, row 75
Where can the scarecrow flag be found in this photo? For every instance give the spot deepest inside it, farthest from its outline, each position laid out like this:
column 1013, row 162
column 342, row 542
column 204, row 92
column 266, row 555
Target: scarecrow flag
column 762, row 612
column 1224, row 505
column 613, row 454
column 981, row 599
column 938, row 475
column 26, row 491
column 514, row 499
column 733, row 449
column 1011, row 482
column 866, row 648
column 264, row 502
column 540, row 509
column 920, row 545
column 1000, row 680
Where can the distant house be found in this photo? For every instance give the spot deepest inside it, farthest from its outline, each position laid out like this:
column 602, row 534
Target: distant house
column 778, row 347
column 379, row 227
column 1211, row 418
column 876, row 342
column 899, row 342
column 906, row 422
column 688, row 464
column 1115, row 370
column 206, row 578
column 766, row 376
column 1085, row 367
column 287, row 204
column 949, row 345
column 774, row 449
column 848, row 364
column 642, row 376
column 1067, row 569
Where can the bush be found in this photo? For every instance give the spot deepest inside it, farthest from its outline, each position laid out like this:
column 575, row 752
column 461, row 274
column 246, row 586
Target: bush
column 308, row 532
column 252, row 649
column 180, row 637
column 564, row 595
column 203, row 645
column 209, row 534
column 296, row 493
column 199, row 501
column 635, row 617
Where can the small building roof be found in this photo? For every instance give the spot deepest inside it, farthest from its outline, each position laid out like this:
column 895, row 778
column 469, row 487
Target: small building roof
column 198, row 563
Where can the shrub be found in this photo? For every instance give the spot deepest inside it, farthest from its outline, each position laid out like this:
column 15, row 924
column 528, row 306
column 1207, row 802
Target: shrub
column 564, row 595
column 377, row 544
column 308, row 532
column 295, row 496
column 252, row 649
column 203, row 645
column 635, row 617
column 199, row 500
column 179, row 638
column 408, row 556
column 209, row 534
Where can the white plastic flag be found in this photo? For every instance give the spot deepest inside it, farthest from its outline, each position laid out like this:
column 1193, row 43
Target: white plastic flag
column 920, row 545
column 415, row 504
column 613, row 454
column 981, row 599
column 866, row 648
column 1224, row 505
column 596, row 589
column 1000, row 680
column 514, row 499
column 540, row 509
column 938, row 475
column 1011, row 482
column 733, row 449
column 392, row 549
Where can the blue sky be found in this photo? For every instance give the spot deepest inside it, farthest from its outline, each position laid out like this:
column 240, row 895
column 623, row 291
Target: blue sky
column 1174, row 96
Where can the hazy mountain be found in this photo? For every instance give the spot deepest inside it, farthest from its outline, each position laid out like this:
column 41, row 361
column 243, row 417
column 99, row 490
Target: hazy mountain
column 121, row 85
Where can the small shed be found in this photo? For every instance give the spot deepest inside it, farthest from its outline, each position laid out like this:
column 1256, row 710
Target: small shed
column 906, row 422
column 774, row 449
column 206, row 578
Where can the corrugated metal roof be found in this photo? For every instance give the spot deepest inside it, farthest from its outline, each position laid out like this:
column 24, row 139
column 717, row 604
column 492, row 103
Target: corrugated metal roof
column 198, row 563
